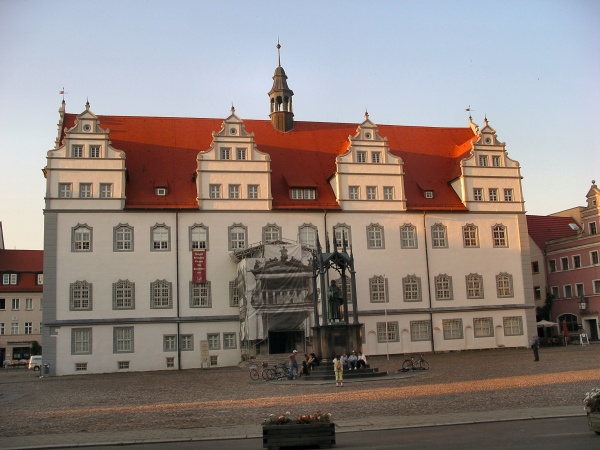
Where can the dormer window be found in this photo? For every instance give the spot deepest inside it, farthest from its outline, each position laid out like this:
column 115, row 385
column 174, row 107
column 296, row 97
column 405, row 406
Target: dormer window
column 428, row 194
column 162, row 191
column 303, row 193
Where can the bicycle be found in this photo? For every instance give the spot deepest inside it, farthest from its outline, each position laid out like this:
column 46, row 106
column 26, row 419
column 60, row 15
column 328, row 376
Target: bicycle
column 412, row 364
column 264, row 372
column 280, row 371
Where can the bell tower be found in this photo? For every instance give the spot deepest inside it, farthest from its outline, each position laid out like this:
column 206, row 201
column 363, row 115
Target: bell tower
column 280, row 97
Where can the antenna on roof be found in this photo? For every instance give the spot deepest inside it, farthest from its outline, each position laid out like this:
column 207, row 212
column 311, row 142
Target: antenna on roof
column 469, row 111
column 63, row 92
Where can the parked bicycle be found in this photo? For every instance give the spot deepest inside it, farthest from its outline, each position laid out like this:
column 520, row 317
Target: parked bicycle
column 264, row 372
column 414, row 364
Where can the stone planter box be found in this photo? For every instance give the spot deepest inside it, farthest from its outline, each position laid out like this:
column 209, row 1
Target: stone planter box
column 297, row 435
column 594, row 422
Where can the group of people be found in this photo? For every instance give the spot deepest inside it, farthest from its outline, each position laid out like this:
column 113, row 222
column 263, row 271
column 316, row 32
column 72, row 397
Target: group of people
column 340, row 363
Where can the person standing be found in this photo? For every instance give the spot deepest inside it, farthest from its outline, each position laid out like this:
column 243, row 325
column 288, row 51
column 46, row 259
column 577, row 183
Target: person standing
column 535, row 345
column 293, row 364
column 338, row 369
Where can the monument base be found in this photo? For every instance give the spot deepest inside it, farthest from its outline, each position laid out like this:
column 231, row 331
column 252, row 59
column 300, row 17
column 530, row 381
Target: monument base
column 335, row 339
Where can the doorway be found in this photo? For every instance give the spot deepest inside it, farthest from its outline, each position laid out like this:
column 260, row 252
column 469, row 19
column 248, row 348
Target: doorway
column 286, row 341
column 593, row 328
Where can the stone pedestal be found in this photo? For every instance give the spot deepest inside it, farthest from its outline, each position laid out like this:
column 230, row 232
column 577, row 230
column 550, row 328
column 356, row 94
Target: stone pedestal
column 331, row 340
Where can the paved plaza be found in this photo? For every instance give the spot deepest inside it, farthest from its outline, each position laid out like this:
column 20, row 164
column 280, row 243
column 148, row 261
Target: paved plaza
column 460, row 387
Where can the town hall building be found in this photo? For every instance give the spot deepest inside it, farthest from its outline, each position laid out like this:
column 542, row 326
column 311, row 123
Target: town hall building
column 177, row 243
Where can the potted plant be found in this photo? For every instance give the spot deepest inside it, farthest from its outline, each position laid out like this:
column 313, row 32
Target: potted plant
column 310, row 429
column 592, row 408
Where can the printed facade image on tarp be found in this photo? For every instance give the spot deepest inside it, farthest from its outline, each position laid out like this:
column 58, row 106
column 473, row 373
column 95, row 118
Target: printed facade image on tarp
column 275, row 292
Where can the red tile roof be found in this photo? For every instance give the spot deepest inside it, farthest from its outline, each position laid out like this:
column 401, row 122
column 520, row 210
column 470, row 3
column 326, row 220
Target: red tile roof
column 163, row 150
column 27, row 264
column 545, row 228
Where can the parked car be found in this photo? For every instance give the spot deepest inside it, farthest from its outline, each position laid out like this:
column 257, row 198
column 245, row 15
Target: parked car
column 35, row 362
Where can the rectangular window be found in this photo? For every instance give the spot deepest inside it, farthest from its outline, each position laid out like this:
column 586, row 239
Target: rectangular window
column 234, row 191
column 496, row 161
column 499, row 236
column 123, row 295
column 537, row 293
column 564, row 263
column 443, row 287
column 483, row 327
column 535, row 267
column 234, row 296
column 353, row 192
column 552, row 265
column 94, row 151
column 241, row 153
column 478, row 194
column 483, row 160
column 77, row 151
column 214, row 341
column 237, row 238
column 225, row 153
column 388, row 193
column 200, row 295
column 408, row 238
column 371, row 193
column 215, row 191
column 504, row 286
column 453, row 328
column 576, row 262
column 170, row 361
column 80, row 296
column 123, row 239
column 420, row 330
column 579, row 290
column 411, row 288
column 303, row 194
column 375, row 157
column 65, row 190
column 253, row 191
column 105, row 190
column 161, row 238
column 592, row 227
column 568, row 291
column 1, row 328
column 169, row 343
column 438, row 233
column 375, row 237
column 361, row 157
column 596, row 286
column 508, row 195
column 555, row 291
column 428, row 194
column 493, row 193
column 81, row 341
column 187, row 342
column 14, row 328
column 85, row 190
column 161, row 294
column 594, row 257
column 229, row 341
column 123, row 365
column 123, row 340
column 28, row 304
column 2, row 304
column 28, row 328
column 80, row 367
column 513, row 326
column 474, row 286
column 16, row 304
column 470, row 236
column 214, row 360
column 199, row 237
column 387, row 332
column 378, row 290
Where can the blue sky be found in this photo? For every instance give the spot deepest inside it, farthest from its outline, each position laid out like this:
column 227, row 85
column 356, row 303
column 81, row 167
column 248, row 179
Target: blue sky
column 533, row 67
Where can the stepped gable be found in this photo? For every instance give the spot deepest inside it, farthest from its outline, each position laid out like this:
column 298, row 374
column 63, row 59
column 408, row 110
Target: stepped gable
column 164, row 149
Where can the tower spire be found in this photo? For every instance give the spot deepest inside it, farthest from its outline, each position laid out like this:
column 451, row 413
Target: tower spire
column 280, row 97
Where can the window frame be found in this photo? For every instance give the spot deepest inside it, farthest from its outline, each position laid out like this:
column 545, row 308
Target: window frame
column 443, row 283
column 508, row 195
column 354, row 192
column 214, row 341
column 388, row 332
column 95, row 151
column 342, row 232
column 160, row 242
column 493, row 195
column 474, row 286
column 229, row 341
column 411, row 289
column 123, row 238
column 65, row 190
column 169, row 342
column 307, row 241
column 123, row 340
column 478, row 194
column 198, row 229
column 500, row 236
column 375, row 237
column 371, row 192
column 439, row 236
column 378, row 289
column 106, row 190
column 271, row 232
column 76, row 151
column 234, row 294
column 123, row 295
column 234, row 191
column 518, row 321
column 504, row 285
column 200, row 295
column 406, row 230
column 186, row 342
column 483, row 327
column 214, row 191
column 453, row 329
column 82, row 241
column 161, row 294
column 85, row 190
column 81, row 341
column 239, row 230
column 253, row 191
column 420, row 330
column 470, row 234
column 81, row 296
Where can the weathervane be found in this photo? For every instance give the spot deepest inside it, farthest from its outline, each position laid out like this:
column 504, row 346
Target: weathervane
column 278, row 53
column 63, row 92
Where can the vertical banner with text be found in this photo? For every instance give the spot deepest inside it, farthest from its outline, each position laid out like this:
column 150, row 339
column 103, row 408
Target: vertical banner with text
column 199, row 265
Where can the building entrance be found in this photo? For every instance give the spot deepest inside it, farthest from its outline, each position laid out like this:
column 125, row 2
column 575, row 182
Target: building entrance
column 286, row 341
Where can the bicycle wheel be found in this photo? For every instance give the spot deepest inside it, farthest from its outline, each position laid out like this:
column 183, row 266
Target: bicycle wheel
column 254, row 374
column 266, row 373
column 269, row 374
column 424, row 365
column 406, row 365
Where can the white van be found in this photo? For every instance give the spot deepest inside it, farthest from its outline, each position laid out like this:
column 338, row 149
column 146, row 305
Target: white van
column 35, row 362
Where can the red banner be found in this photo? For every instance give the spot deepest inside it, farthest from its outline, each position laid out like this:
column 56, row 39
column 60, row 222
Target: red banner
column 199, row 266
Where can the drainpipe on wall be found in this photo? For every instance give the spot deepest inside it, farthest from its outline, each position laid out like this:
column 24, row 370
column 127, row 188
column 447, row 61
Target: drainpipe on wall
column 428, row 280
column 177, row 289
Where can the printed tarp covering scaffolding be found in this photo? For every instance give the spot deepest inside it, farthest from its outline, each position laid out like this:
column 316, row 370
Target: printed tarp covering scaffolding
column 275, row 292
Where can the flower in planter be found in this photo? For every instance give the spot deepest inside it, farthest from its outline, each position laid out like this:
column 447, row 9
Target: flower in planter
column 592, row 401
column 317, row 417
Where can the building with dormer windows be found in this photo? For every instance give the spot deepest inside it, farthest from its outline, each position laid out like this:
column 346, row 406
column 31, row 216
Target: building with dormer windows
column 151, row 224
